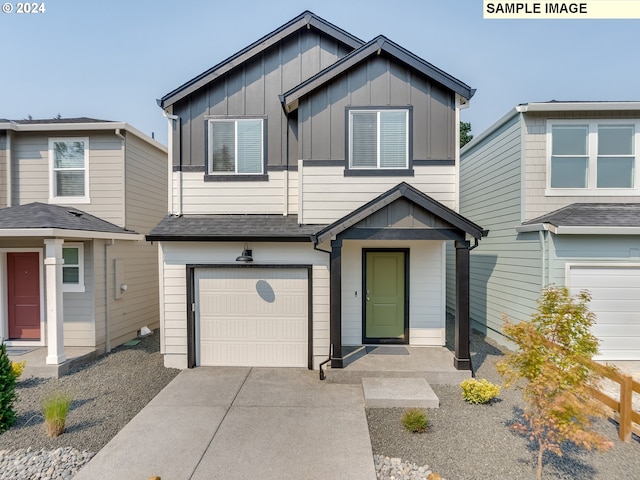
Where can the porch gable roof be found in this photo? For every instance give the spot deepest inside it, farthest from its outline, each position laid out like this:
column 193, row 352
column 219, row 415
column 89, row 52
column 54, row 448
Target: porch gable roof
column 413, row 195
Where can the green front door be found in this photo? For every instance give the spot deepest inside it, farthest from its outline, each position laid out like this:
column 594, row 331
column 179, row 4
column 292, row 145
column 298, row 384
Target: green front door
column 385, row 297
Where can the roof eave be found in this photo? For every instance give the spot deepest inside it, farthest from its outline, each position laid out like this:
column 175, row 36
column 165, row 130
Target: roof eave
column 577, row 106
column 64, row 233
column 226, row 238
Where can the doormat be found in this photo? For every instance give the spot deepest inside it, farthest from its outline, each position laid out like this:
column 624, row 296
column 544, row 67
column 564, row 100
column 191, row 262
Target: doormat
column 131, row 343
column 385, row 350
column 17, row 351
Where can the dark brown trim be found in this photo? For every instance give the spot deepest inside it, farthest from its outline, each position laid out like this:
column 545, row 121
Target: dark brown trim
column 433, row 163
column 191, row 302
column 234, row 177
column 355, row 233
column 380, row 172
column 188, row 168
column 462, row 359
column 282, row 168
column 387, row 341
column 335, row 303
column 324, row 163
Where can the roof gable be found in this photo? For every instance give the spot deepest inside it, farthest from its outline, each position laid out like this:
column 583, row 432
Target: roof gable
column 438, row 215
column 374, row 47
column 305, row 20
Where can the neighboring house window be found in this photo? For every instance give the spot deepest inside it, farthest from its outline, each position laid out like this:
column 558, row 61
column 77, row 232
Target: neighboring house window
column 592, row 158
column 73, row 268
column 379, row 139
column 236, row 146
column 69, row 161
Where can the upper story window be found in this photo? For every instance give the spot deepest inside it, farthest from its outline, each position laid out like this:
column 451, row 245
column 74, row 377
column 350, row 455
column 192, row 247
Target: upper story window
column 73, row 268
column 236, row 146
column 69, row 170
column 592, row 158
column 379, row 139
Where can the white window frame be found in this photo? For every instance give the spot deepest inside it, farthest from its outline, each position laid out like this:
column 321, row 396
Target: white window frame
column 592, row 165
column 235, row 121
column 53, row 197
column 378, row 111
column 75, row 287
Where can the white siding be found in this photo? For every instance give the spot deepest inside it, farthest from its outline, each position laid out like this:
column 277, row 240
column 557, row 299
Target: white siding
column 426, row 294
column 327, row 195
column 200, row 197
column 177, row 255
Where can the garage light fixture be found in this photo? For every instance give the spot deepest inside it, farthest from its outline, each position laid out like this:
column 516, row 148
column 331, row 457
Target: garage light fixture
column 246, row 255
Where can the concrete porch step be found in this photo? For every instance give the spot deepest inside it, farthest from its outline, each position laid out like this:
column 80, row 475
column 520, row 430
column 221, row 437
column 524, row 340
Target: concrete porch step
column 398, row 392
column 37, row 367
column 435, row 377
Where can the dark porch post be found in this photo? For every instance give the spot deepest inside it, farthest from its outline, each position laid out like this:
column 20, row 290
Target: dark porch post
column 335, row 301
column 462, row 360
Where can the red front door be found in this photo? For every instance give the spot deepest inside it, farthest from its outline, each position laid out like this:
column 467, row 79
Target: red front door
column 23, row 278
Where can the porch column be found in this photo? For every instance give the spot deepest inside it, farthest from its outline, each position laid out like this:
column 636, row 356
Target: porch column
column 335, row 301
column 55, row 313
column 462, row 360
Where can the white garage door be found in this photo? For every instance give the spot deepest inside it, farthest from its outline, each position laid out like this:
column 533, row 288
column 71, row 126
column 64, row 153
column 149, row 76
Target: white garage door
column 251, row 317
column 615, row 300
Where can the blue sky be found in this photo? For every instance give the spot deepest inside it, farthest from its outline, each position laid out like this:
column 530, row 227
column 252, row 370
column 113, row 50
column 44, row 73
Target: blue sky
column 112, row 59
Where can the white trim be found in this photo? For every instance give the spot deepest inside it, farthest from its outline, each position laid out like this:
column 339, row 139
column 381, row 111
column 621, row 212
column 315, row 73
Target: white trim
column 443, row 299
column 377, row 112
column 592, row 158
column 74, row 127
column 79, row 287
column 53, row 196
column 577, row 106
column 61, row 232
column 4, row 301
column 578, row 230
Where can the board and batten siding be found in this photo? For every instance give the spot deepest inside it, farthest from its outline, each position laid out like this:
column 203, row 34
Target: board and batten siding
column 378, row 82
column 145, row 179
column 30, row 172
column 174, row 288
column 327, row 195
column 426, row 295
column 506, row 266
column 253, row 89
column 535, row 145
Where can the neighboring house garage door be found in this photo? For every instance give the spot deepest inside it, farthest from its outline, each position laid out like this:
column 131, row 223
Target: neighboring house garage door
column 252, row 316
column 615, row 292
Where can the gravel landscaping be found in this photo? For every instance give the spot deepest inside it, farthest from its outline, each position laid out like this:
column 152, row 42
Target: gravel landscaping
column 463, row 442
column 468, row 442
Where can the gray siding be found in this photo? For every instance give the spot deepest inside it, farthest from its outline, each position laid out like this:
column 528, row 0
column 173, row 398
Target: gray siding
column 506, row 267
column 378, row 82
column 253, row 89
column 535, row 144
column 146, row 180
column 79, row 312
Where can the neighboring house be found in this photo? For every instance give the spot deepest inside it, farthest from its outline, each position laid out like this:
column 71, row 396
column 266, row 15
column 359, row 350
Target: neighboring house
column 77, row 196
column 314, row 189
column 558, row 185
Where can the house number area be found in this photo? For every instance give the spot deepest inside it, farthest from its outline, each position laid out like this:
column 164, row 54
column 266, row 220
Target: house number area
column 33, row 7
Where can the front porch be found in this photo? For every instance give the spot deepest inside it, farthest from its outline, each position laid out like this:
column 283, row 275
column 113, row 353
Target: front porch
column 36, row 360
column 434, row 364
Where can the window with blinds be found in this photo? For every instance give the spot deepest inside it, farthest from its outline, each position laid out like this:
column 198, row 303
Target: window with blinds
column 379, row 139
column 236, row 146
column 69, row 158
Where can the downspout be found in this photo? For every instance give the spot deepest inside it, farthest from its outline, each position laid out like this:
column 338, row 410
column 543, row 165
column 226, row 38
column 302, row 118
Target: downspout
column 9, row 169
column 322, row 375
column 107, row 347
column 543, row 251
column 172, row 118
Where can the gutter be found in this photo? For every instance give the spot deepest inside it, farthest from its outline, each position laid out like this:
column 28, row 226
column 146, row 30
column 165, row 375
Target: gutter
column 578, row 230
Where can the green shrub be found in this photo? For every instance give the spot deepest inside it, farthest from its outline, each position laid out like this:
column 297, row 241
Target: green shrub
column 7, row 391
column 415, row 420
column 479, row 391
column 55, row 408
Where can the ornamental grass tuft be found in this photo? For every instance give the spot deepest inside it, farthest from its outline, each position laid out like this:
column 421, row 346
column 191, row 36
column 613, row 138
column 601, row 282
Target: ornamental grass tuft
column 55, row 408
column 415, row 420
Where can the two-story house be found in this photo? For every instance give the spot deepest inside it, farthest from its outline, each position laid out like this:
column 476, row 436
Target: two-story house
column 77, row 196
column 558, row 185
column 313, row 192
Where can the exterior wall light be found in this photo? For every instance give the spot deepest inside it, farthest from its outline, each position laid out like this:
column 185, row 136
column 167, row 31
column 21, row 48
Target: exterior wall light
column 246, row 255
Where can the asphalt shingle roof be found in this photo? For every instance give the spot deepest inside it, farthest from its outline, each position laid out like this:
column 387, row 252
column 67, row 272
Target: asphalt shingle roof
column 42, row 215
column 593, row 215
column 230, row 227
column 56, row 120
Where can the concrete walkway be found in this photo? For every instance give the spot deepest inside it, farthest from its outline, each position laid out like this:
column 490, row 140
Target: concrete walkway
column 228, row 423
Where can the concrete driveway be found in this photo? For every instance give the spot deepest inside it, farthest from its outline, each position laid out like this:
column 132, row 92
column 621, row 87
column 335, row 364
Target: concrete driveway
column 227, row 423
